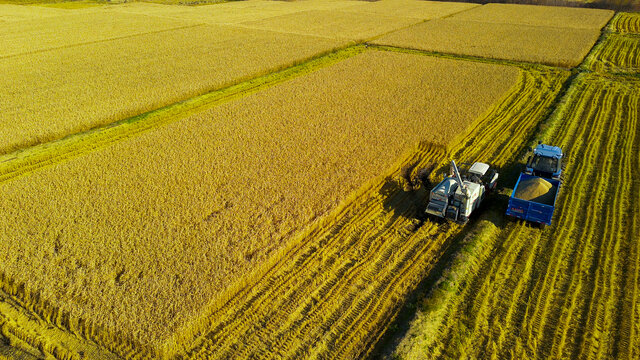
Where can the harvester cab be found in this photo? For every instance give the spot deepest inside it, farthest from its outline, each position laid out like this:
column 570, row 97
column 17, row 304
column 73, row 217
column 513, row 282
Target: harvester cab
column 457, row 196
column 546, row 162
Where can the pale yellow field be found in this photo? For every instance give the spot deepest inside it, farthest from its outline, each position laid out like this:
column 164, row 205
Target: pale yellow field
column 333, row 24
column 42, row 100
column 537, row 44
column 78, row 28
column 535, row 15
column 418, row 9
column 10, row 12
column 232, row 12
column 142, row 235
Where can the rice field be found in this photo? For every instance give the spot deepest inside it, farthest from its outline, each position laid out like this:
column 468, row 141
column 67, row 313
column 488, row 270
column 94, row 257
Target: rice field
column 333, row 24
column 564, row 47
column 535, row 15
column 339, row 289
column 248, row 180
column 266, row 197
column 569, row 291
column 37, row 35
column 619, row 52
column 116, row 79
column 626, row 23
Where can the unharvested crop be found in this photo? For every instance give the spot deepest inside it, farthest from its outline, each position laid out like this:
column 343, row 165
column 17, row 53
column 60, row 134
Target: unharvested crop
column 537, row 44
column 50, row 94
column 423, row 10
column 535, row 15
column 77, row 28
column 10, row 13
column 234, row 12
column 333, row 24
column 571, row 291
column 147, row 232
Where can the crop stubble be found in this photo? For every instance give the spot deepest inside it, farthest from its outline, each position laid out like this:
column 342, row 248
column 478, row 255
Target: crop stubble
column 619, row 52
column 571, row 291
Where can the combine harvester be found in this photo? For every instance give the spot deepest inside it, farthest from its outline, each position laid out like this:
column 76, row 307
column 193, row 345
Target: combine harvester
column 534, row 196
column 456, row 197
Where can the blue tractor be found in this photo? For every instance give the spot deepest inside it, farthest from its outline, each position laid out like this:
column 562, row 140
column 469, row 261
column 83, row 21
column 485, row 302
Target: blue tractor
column 546, row 162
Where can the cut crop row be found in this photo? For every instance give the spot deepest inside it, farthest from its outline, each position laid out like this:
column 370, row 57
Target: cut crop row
column 570, row 291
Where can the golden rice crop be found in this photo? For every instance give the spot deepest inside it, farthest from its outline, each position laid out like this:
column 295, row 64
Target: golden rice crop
column 537, row 44
column 10, row 12
column 535, row 15
column 80, row 28
column 231, row 12
column 626, row 23
column 51, row 94
column 333, row 24
column 417, row 9
column 618, row 53
column 142, row 235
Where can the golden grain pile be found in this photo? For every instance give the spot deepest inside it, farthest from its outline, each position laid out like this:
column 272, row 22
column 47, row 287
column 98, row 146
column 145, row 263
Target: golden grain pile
column 536, row 189
column 478, row 32
column 140, row 236
column 51, row 94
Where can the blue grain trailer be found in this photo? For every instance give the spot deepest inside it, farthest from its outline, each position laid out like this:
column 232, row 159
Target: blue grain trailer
column 545, row 163
column 538, row 212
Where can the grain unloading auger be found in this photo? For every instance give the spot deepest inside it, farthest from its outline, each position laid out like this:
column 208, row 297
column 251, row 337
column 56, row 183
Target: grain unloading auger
column 457, row 196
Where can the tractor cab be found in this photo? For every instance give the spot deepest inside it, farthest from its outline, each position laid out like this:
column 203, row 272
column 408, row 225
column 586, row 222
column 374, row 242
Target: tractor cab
column 545, row 162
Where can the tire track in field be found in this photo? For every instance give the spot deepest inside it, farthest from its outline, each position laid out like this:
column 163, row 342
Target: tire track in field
column 561, row 257
column 589, row 237
column 570, row 291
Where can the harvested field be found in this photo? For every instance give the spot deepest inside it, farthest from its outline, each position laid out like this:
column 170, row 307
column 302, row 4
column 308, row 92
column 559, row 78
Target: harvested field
column 117, row 79
column 214, row 180
column 535, row 15
column 537, row 44
column 333, row 24
column 63, row 31
column 626, row 23
column 570, row 291
column 617, row 54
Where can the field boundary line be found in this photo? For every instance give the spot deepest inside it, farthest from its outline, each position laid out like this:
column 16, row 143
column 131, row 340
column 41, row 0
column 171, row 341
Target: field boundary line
column 27, row 160
column 453, row 56
column 99, row 41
